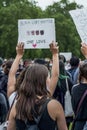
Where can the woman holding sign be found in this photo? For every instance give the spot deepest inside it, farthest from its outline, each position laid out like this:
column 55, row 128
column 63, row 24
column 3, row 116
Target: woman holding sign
column 34, row 91
column 51, row 84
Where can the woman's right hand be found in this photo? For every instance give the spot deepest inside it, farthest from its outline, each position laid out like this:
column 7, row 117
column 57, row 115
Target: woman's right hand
column 54, row 48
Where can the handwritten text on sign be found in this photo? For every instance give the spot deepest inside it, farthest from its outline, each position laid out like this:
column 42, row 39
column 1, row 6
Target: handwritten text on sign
column 36, row 33
column 80, row 19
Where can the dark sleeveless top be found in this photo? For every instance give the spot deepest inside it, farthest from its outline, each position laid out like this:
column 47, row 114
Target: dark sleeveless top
column 46, row 122
column 77, row 92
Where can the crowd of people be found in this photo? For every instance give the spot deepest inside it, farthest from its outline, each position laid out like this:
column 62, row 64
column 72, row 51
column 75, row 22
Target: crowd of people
column 29, row 90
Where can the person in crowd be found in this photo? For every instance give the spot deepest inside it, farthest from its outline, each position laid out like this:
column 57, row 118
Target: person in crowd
column 78, row 91
column 74, row 70
column 62, row 58
column 61, row 89
column 12, row 88
column 4, row 78
column 27, row 62
column 1, row 62
column 43, row 62
column 34, row 91
column 4, row 105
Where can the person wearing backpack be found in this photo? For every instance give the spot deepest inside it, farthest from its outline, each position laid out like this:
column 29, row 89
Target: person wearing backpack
column 33, row 93
column 4, row 104
column 61, row 90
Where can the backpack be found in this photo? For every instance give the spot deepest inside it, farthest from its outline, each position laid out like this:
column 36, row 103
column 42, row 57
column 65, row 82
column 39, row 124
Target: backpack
column 4, row 107
column 32, row 127
column 3, row 82
column 37, row 120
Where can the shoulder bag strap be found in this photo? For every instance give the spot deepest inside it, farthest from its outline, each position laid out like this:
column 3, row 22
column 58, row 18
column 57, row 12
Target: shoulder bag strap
column 78, row 108
column 81, row 100
column 67, row 85
column 11, row 108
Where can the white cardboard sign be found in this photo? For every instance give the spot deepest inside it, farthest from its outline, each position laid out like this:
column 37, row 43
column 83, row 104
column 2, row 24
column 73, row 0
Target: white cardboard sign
column 80, row 19
column 36, row 33
column 67, row 55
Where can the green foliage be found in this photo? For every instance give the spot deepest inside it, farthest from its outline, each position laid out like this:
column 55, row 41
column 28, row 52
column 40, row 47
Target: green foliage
column 12, row 10
column 66, row 33
column 10, row 14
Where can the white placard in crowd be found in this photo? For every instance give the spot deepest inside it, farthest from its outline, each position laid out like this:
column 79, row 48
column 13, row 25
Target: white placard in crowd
column 36, row 33
column 80, row 19
column 67, row 55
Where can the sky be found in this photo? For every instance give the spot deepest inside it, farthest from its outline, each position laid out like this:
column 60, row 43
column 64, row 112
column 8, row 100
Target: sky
column 44, row 3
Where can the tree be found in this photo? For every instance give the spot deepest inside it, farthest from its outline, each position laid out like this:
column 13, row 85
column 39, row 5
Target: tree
column 10, row 14
column 12, row 10
column 66, row 33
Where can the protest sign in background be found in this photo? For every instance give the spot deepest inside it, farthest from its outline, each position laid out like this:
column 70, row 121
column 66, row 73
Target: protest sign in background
column 80, row 19
column 67, row 55
column 36, row 33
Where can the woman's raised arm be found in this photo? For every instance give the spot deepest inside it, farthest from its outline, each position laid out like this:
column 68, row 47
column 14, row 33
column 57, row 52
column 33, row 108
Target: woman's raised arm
column 55, row 68
column 14, row 67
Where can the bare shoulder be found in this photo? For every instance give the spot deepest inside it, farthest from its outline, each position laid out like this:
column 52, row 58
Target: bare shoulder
column 54, row 108
column 53, row 103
